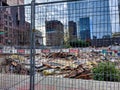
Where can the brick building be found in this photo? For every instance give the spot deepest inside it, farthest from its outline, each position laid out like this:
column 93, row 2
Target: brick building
column 54, row 33
column 14, row 29
column 72, row 30
column 6, row 25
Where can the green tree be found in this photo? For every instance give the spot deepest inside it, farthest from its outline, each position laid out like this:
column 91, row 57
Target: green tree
column 106, row 71
column 79, row 43
column 116, row 34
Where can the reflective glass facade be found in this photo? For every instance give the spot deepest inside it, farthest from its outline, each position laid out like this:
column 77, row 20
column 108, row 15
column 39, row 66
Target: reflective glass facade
column 103, row 16
column 84, row 27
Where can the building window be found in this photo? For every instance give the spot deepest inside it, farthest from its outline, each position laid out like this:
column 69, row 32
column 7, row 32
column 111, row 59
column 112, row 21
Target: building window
column 10, row 35
column 6, row 41
column 10, row 29
column 6, row 34
column 6, row 23
column 5, row 16
column 5, row 28
column 10, row 23
column 10, row 18
column 0, row 40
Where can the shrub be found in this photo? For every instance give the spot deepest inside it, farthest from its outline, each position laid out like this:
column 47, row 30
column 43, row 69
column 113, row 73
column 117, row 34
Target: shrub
column 79, row 43
column 106, row 71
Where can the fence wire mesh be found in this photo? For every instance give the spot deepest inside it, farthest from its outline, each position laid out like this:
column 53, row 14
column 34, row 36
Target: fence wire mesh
column 77, row 46
column 14, row 46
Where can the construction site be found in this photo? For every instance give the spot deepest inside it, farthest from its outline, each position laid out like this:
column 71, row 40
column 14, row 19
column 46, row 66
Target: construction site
column 70, row 63
column 63, row 64
column 60, row 45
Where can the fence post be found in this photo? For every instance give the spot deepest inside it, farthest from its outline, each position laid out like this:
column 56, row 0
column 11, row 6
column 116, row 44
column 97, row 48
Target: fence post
column 32, row 46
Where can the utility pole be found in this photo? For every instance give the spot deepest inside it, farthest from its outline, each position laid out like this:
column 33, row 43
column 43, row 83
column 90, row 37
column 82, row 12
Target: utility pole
column 32, row 46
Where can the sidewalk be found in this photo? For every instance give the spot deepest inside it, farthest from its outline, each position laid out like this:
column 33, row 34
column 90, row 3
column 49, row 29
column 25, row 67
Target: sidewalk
column 21, row 82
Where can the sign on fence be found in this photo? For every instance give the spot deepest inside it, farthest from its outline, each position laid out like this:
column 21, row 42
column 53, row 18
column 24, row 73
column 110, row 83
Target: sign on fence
column 74, row 50
column 55, row 50
column 38, row 51
column 21, row 51
column 45, row 50
column 8, row 50
column 27, row 51
column 65, row 50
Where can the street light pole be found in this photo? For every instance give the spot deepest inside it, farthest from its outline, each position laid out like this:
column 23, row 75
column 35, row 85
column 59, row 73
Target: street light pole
column 32, row 46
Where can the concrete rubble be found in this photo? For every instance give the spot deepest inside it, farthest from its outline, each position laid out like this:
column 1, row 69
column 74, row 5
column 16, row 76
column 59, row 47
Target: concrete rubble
column 13, row 64
column 60, row 63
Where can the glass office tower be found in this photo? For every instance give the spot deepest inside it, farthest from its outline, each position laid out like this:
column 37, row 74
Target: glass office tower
column 84, row 27
column 94, row 18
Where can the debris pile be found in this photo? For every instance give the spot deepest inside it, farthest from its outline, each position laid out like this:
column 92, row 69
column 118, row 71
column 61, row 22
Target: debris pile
column 81, row 71
column 14, row 64
column 65, row 64
column 73, row 66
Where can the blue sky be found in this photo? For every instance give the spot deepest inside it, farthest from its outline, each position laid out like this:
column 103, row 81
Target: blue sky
column 27, row 1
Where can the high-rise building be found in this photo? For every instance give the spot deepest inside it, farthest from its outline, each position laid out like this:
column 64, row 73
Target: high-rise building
column 6, row 25
column 3, row 1
column 72, row 26
column 84, row 27
column 18, row 13
column 21, row 27
column 119, row 10
column 54, row 33
column 103, row 16
column 14, row 29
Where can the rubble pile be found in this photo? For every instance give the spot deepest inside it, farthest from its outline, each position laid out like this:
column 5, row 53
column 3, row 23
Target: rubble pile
column 60, row 55
column 65, row 64
column 14, row 64
column 74, row 66
column 81, row 71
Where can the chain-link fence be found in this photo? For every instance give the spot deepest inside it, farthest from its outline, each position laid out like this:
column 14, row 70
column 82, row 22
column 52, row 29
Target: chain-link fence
column 60, row 45
column 15, row 23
